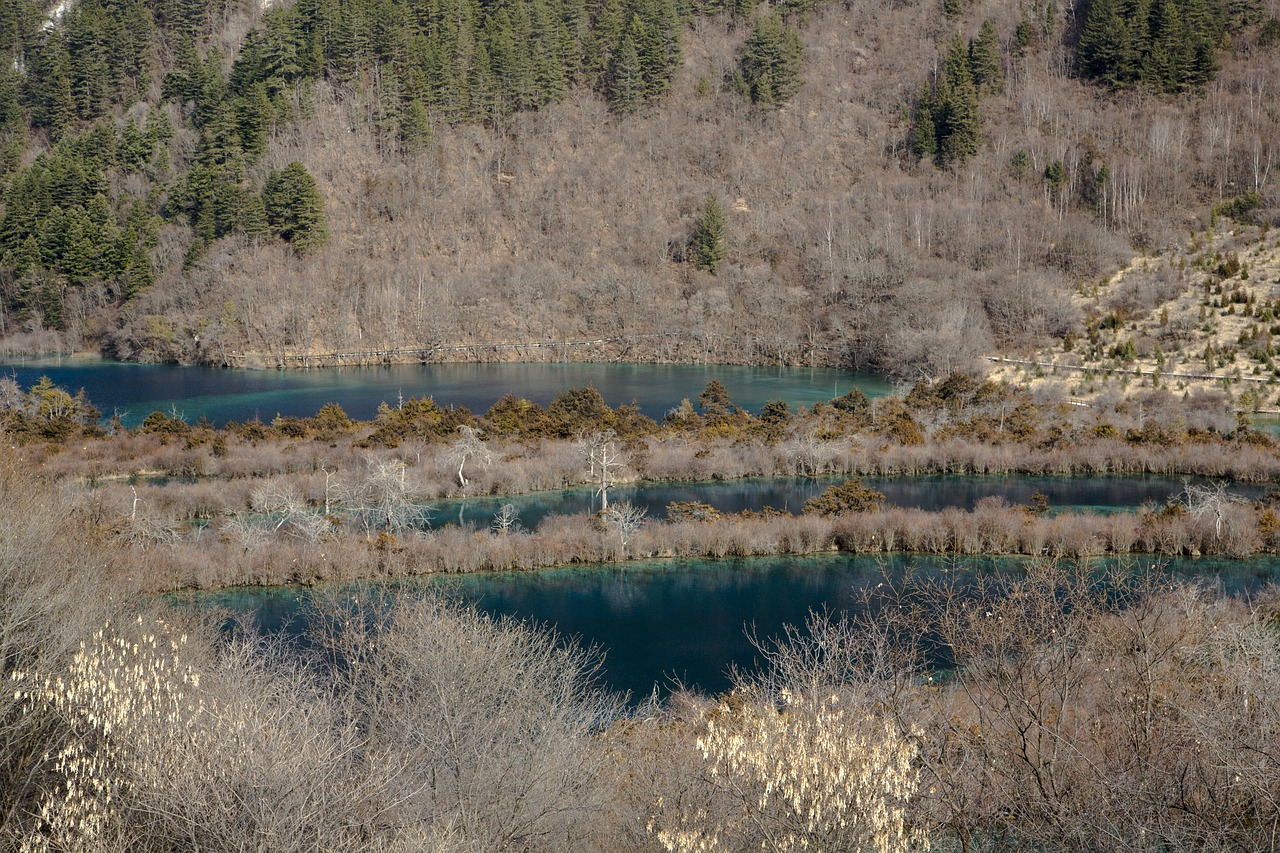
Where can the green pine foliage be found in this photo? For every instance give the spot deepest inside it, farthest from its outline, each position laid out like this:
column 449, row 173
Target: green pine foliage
column 708, row 245
column 64, row 228
column 947, row 125
column 1164, row 46
column 74, row 87
column 294, row 209
column 984, row 59
column 957, row 120
column 771, row 61
column 924, row 139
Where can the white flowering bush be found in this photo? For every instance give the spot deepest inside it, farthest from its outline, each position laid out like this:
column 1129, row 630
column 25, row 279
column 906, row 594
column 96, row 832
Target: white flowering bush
column 814, row 771
column 120, row 705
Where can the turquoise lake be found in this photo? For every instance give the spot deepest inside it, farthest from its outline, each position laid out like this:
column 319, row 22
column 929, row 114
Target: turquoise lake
column 663, row 623
column 132, row 391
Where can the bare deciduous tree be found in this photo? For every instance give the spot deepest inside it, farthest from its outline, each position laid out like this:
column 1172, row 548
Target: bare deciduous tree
column 1208, row 500
column 468, row 446
column 506, row 520
column 383, row 500
column 604, row 458
column 624, row 519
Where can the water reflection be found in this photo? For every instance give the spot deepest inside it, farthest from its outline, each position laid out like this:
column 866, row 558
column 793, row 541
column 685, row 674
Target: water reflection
column 935, row 493
column 686, row 621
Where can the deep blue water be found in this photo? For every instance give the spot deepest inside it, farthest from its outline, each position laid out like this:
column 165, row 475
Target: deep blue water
column 933, row 493
column 133, row 391
column 667, row 622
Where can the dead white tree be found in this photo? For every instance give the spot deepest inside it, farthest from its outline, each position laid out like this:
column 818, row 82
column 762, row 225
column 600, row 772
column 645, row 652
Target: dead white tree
column 383, row 500
column 811, row 454
column 1211, row 500
column 469, row 446
column 506, row 520
column 285, row 511
column 624, row 519
column 604, row 458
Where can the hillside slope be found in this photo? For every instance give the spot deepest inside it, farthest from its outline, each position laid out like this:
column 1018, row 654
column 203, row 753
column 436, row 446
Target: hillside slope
column 567, row 217
column 1202, row 317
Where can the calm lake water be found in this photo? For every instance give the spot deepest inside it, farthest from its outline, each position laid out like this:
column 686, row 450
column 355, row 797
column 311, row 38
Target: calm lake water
column 1064, row 494
column 664, row 622
column 133, row 391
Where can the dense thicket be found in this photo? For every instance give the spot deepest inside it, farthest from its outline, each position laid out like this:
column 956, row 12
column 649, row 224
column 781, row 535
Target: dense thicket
column 236, row 182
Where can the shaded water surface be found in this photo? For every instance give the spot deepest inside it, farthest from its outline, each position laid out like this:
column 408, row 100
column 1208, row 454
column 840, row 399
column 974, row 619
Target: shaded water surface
column 667, row 621
column 133, row 391
column 933, row 493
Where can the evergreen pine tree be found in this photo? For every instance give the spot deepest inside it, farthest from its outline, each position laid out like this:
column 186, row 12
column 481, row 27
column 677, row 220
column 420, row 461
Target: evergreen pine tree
column 626, row 88
column 957, row 119
column 1103, row 47
column 1166, row 65
column 132, row 148
column 1055, row 178
column 253, row 117
column 548, row 65
column 84, row 26
column 48, row 86
column 388, row 118
column 652, row 53
column 984, row 59
column 1026, row 36
column 415, row 126
column 484, row 98
column 924, row 140
column 603, row 41
column 708, row 243
column 294, row 207
column 771, row 61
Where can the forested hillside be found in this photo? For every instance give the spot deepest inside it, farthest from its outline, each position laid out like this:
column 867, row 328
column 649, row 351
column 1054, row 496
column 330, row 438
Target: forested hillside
column 901, row 185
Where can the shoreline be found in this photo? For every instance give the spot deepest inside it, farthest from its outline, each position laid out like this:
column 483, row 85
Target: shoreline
column 653, row 348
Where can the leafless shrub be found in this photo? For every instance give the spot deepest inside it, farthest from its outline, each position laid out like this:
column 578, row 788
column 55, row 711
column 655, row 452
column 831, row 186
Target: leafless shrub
column 492, row 722
column 58, row 582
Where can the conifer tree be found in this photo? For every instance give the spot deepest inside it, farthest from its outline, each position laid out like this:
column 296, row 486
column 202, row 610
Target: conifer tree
column 84, row 26
column 1102, row 49
column 548, row 65
column 48, row 86
column 652, row 53
column 1025, row 36
column 294, row 207
column 626, row 86
column 924, row 140
column 415, row 126
column 1165, row 45
column 984, row 59
column 603, row 41
column 485, row 98
column 771, row 61
column 253, row 117
column 957, row 120
column 708, row 244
